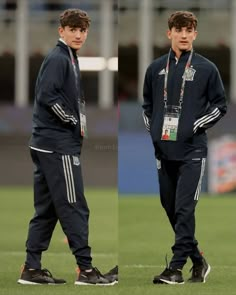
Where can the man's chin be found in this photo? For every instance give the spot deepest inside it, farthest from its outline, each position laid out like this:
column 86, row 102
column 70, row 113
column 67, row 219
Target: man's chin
column 184, row 48
column 76, row 47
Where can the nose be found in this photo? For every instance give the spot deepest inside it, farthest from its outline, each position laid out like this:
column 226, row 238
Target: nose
column 184, row 34
column 78, row 34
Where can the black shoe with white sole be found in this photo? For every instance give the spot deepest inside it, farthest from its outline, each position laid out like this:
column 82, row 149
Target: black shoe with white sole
column 200, row 272
column 38, row 277
column 93, row 277
column 169, row 276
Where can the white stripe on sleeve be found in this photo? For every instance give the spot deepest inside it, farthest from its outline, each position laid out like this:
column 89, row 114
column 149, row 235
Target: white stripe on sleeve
column 58, row 110
column 146, row 121
column 206, row 119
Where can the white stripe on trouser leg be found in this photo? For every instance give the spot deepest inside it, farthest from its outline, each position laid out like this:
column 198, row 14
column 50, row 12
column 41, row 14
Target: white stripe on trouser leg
column 198, row 190
column 73, row 196
column 70, row 188
column 69, row 179
column 66, row 178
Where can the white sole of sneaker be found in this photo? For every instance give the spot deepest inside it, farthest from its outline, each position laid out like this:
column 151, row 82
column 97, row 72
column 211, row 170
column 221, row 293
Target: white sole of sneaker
column 207, row 273
column 87, row 284
column 23, row 282
column 171, row 283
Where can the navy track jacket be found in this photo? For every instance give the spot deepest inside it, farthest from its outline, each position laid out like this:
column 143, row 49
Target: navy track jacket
column 203, row 105
column 56, row 123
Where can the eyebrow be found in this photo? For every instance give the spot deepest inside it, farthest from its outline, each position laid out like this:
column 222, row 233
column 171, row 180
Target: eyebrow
column 188, row 28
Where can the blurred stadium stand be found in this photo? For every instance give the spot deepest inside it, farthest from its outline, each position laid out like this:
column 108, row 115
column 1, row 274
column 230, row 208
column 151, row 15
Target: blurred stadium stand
column 137, row 173
column 15, row 122
column 137, row 168
column 43, row 25
column 213, row 41
column 216, row 41
column 99, row 154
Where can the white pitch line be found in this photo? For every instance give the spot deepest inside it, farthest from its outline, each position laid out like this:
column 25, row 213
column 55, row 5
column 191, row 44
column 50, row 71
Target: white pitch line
column 142, row 266
column 163, row 266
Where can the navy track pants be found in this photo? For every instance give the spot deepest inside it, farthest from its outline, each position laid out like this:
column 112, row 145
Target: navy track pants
column 58, row 195
column 180, row 186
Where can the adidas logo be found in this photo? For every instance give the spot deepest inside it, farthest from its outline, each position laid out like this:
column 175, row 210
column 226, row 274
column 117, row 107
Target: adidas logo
column 162, row 72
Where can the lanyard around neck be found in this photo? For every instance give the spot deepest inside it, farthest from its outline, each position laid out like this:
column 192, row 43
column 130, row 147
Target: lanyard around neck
column 77, row 76
column 187, row 66
column 72, row 58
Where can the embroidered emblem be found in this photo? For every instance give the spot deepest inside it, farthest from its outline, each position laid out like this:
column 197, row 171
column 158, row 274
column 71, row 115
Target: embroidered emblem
column 162, row 72
column 76, row 161
column 189, row 74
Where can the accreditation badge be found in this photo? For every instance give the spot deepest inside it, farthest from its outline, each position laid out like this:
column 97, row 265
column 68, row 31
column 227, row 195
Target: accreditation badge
column 170, row 122
column 83, row 123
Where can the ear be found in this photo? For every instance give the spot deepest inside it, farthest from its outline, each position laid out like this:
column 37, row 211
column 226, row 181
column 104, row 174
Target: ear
column 195, row 35
column 168, row 34
column 61, row 31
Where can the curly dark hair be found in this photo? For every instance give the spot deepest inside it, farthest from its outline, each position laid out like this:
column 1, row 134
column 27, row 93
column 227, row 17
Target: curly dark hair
column 75, row 18
column 180, row 19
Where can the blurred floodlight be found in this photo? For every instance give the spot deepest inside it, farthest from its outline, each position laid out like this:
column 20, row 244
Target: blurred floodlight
column 98, row 64
column 112, row 64
column 92, row 63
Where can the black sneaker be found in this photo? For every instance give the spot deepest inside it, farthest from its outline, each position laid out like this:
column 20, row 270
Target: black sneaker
column 169, row 276
column 200, row 272
column 112, row 275
column 156, row 279
column 93, row 277
column 38, row 277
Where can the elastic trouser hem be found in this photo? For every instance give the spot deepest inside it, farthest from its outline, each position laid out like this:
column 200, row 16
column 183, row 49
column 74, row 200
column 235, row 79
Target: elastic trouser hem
column 85, row 267
column 85, row 263
column 176, row 266
column 33, row 260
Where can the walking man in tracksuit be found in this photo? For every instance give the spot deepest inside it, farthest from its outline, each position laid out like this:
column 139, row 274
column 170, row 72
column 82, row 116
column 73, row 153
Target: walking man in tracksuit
column 183, row 97
column 59, row 125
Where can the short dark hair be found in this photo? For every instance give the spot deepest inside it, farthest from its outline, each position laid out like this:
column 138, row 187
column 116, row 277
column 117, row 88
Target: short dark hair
column 180, row 19
column 75, row 18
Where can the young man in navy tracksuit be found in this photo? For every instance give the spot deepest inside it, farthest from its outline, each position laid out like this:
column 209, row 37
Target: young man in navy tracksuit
column 183, row 97
column 59, row 126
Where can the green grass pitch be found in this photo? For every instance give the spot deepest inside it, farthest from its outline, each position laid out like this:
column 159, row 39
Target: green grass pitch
column 16, row 211
column 145, row 237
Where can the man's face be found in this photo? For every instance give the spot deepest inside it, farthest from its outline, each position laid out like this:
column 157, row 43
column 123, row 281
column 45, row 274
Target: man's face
column 182, row 38
column 74, row 37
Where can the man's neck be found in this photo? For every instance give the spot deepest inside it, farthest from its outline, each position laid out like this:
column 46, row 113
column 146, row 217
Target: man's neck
column 60, row 39
column 73, row 50
column 178, row 52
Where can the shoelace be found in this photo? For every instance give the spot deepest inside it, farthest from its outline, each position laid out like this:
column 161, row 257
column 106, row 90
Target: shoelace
column 46, row 272
column 43, row 271
column 98, row 273
column 167, row 264
column 167, row 269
